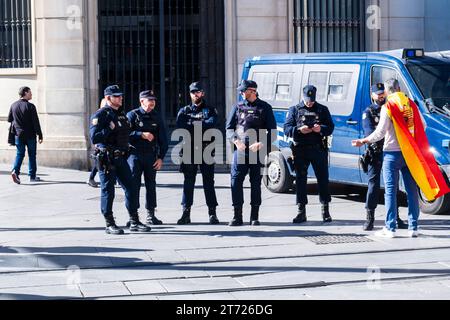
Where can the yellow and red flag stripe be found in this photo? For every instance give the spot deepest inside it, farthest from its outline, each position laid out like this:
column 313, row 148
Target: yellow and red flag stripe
column 415, row 146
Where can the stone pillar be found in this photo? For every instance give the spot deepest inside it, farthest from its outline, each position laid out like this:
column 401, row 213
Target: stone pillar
column 403, row 24
column 251, row 31
column 62, row 90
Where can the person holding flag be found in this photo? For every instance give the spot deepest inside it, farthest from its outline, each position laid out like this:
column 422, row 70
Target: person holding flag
column 406, row 146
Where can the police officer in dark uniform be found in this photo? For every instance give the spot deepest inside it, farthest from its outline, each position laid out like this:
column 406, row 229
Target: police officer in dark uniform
column 374, row 156
column 198, row 113
column 149, row 147
column 110, row 131
column 251, row 127
column 309, row 124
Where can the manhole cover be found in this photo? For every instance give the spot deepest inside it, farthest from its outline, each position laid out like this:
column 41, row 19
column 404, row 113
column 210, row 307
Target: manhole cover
column 337, row 239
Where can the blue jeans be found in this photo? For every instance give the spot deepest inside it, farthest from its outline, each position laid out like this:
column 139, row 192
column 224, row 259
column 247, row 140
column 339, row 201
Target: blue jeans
column 393, row 164
column 22, row 145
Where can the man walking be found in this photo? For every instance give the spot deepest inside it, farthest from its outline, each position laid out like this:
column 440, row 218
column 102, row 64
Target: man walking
column 24, row 118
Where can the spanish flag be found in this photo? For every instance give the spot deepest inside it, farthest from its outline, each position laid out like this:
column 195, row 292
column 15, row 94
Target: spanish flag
column 415, row 147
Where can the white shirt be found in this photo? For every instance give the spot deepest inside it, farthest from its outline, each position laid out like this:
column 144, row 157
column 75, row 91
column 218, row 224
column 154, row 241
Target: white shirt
column 385, row 130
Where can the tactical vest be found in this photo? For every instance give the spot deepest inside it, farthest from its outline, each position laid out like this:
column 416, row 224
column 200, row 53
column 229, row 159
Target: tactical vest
column 147, row 123
column 121, row 135
column 307, row 118
column 249, row 117
column 374, row 116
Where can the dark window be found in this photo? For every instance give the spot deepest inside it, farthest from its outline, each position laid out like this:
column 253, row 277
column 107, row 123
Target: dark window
column 433, row 81
column 329, row 26
column 15, row 34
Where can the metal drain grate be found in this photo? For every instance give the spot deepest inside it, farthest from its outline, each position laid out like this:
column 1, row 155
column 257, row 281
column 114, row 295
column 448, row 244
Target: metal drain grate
column 337, row 239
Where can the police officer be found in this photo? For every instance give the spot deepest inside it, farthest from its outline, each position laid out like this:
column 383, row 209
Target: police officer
column 110, row 131
column 371, row 119
column 200, row 114
column 309, row 124
column 251, row 127
column 149, row 147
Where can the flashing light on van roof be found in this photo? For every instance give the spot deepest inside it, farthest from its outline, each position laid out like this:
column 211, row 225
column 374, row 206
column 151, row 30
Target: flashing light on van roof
column 413, row 53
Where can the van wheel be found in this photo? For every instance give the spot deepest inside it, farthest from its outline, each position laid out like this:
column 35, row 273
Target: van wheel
column 278, row 178
column 440, row 206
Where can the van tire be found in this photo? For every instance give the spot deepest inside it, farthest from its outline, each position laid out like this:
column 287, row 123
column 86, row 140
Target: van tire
column 440, row 206
column 278, row 178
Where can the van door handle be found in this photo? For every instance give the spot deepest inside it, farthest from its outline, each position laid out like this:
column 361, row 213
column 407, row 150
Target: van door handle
column 352, row 123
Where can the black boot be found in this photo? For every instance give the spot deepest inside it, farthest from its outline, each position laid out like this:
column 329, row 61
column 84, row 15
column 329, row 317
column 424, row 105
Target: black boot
column 213, row 216
column 401, row 224
column 185, row 218
column 326, row 213
column 237, row 220
column 301, row 217
column 368, row 226
column 137, row 226
column 111, row 227
column 152, row 219
column 254, row 217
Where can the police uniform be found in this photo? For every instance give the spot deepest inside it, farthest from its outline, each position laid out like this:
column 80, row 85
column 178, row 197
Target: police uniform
column 310, row 149
column 110, row 131
column 249, row 122
column 371, row 119
column 188, row 117
column 144, row 153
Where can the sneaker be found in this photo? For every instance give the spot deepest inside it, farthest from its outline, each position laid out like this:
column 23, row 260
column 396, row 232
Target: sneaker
column 15, row 178
column 385, row 233
column 92, row 183
column 36, row 179
column 413, row 233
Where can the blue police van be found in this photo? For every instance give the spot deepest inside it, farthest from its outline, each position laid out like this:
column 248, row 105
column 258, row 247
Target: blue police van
column 343, row 81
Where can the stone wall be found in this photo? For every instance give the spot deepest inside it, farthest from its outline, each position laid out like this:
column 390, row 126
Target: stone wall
column 60, row 85
column 253, row 27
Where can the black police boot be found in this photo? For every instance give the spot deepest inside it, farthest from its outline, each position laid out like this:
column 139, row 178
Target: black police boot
column 185, row 218
column 237, row 220
column 254, row 217
column 401, row 224
column 137, row 226
column 301, row 217
column 111, row 227
column 326, row 213
column 152, row 219
column 368, row 226
column 213, row 216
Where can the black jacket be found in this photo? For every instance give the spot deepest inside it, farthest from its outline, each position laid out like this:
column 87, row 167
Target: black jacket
column 23, row 115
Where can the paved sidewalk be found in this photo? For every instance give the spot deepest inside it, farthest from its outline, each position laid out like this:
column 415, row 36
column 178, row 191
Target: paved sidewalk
column 53, row 245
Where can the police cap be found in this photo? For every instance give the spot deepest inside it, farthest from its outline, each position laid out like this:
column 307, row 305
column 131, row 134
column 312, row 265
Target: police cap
column 309, row 93
column 148, row 94
column 196, row 87
column 247, row 84
column 113, row 91
column 378, row 88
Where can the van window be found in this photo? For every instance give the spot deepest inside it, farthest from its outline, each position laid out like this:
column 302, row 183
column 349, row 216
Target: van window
column 339, row 85
column 381, row 74
column 284, row 86
column 320, row 81
column 336, row 85
column 266, row 84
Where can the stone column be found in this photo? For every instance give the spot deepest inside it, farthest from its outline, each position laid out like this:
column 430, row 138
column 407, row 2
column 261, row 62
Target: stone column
column 63, row 92
column 251, row 31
